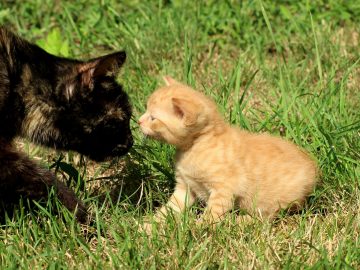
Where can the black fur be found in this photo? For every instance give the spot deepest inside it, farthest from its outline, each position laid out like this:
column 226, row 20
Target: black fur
column 61, row 103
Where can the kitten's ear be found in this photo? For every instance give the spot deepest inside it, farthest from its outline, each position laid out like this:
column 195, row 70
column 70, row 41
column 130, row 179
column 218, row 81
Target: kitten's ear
column 186, row 110
column 169, row 81
column 107, row 65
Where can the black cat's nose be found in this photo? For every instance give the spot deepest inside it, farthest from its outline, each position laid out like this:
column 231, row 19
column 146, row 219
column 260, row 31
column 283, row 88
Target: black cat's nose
column 130, row 142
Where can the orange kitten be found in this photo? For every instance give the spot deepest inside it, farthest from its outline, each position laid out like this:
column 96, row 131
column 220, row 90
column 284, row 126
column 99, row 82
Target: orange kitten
column 224, row 165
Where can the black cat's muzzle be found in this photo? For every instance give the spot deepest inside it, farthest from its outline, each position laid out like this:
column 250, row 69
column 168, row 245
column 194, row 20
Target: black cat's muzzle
column 103, row 152
column 122, row 149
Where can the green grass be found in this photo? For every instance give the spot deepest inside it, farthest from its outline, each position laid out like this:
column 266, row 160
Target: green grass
column 290, row 68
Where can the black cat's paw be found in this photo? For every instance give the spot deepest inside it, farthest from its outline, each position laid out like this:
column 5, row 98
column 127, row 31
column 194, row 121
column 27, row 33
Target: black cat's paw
column 81, row 213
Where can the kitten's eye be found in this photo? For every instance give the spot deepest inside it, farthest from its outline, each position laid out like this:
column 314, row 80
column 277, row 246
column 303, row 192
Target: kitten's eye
column 152, row 118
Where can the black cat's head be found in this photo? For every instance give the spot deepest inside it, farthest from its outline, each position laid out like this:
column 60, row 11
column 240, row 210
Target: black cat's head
column 95, row 112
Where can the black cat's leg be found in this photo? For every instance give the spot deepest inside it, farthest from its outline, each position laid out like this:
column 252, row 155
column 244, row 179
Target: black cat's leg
column 20, row 176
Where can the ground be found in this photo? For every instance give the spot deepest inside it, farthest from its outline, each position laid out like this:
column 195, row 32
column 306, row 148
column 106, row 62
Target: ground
column 291, row 69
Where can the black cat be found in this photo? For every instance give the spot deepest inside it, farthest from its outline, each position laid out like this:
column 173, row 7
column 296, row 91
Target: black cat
column 61, row 103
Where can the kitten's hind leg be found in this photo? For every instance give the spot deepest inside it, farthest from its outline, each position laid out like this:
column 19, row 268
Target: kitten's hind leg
column 20, row 176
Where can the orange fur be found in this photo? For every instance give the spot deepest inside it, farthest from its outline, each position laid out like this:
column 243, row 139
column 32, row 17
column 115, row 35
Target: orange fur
column 223, row 165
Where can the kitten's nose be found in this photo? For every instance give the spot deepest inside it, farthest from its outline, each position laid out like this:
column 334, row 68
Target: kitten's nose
column 141, row 120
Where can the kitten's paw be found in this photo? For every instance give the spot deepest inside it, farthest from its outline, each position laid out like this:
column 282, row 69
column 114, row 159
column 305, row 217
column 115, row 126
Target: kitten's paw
column 150, row 227
column 153, row 223
column 200, row 222
column 207, row 222
column 147, row 228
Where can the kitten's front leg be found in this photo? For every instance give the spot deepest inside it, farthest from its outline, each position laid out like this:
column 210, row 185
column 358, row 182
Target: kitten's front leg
column 219, row 202
column 179, row 200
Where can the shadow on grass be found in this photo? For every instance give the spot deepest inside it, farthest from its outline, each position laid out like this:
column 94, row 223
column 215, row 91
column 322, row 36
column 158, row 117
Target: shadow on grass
column 131, row 185
column 124, row 185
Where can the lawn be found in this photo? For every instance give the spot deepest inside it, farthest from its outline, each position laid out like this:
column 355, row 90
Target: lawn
column 291, row 69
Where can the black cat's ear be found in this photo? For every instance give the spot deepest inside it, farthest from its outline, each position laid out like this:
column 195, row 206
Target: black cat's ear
column 110, row 64
column 86, row 72
column 107, row 65
column 81, row 76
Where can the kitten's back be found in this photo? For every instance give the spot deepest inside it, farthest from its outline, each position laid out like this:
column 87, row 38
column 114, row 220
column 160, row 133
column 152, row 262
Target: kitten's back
column 279, row 173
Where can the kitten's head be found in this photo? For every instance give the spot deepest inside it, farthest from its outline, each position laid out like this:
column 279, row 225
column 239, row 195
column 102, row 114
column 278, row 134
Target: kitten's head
column 93, row 112
column 178, row 114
